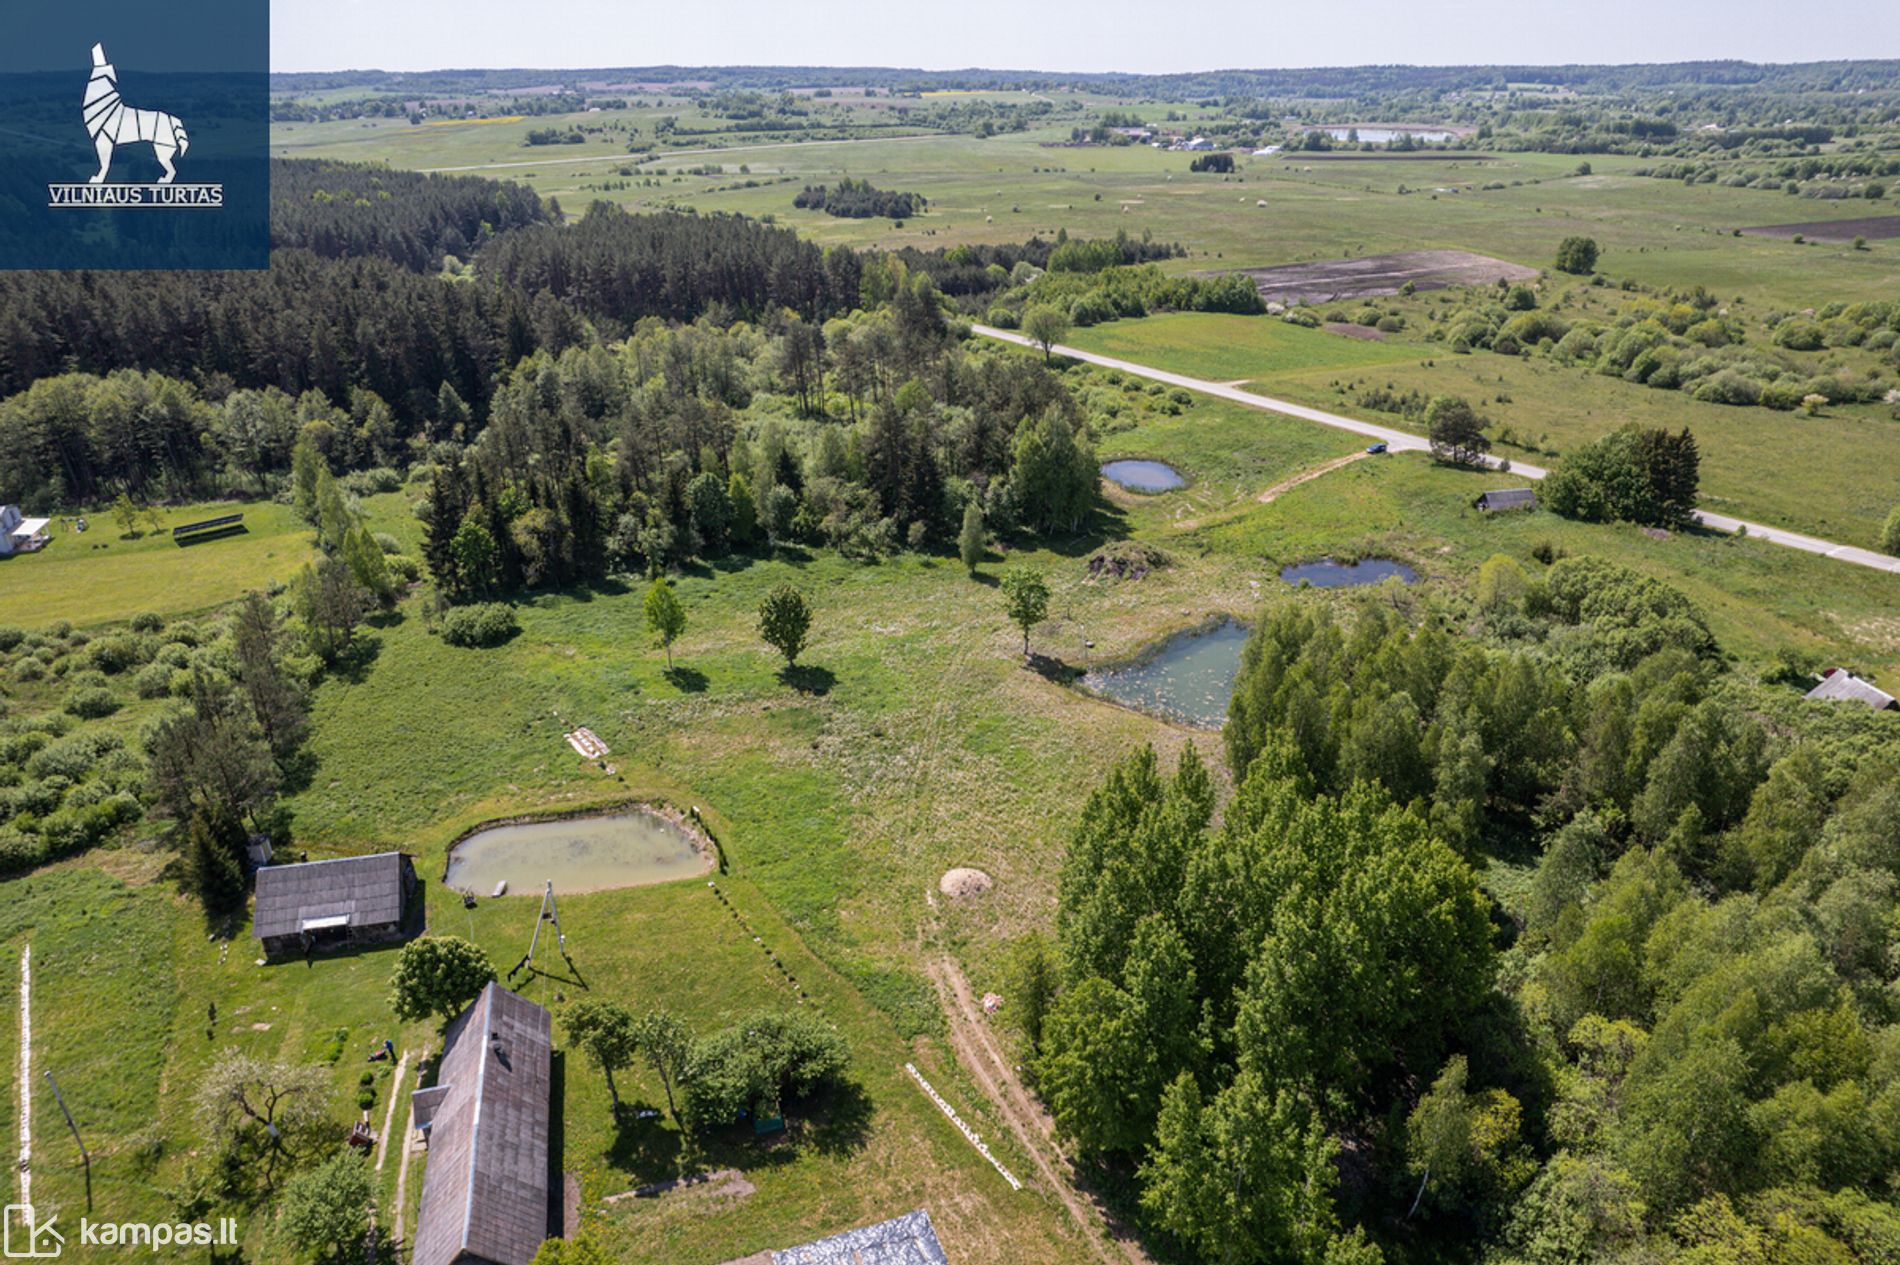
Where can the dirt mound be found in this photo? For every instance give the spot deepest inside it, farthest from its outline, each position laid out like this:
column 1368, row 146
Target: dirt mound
column 1346, row 329
column 1125, row 560
column 1327, row 280
column 962, row 882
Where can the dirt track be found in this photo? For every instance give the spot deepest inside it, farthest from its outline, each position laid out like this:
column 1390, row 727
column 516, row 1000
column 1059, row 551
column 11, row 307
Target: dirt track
column 1371, row 275
column 1874, row 226
column 1306, row 476
column 980, row 1055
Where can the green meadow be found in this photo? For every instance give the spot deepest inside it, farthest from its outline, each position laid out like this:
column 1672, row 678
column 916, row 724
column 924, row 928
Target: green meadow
column 1008, row 187
column 1218, row 347
column 912, row 741
column 101, row 575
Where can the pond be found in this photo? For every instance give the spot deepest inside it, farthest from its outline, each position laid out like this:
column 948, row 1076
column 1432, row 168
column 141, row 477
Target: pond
column 1327, row 574
column 1189, row 678
column 580, row 854
column 1143, row 476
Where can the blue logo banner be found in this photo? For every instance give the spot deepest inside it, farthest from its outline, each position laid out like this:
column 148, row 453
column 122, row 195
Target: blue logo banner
column 135, row 134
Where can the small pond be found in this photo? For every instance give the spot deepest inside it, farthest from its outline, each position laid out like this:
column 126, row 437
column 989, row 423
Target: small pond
column 581, row 854
column 1143, row 476
column 1189, row 678
column 1327, row 574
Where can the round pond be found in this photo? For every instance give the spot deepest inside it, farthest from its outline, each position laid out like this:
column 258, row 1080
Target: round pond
column 580, row 854
column 1327, row 574
column 1143, row 476
column 1189, row 678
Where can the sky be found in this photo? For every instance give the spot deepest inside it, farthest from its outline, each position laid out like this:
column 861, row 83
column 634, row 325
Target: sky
column 1065, row 35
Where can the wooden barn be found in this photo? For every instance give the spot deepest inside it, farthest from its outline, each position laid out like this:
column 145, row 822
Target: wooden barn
column 328, row 904
column 486, row 1192
column 1506, row 499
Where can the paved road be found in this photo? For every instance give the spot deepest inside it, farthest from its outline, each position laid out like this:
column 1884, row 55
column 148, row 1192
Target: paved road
column 1406, row 441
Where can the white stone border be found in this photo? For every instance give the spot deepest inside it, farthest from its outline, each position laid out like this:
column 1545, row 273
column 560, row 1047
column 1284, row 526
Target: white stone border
column 975, row 1141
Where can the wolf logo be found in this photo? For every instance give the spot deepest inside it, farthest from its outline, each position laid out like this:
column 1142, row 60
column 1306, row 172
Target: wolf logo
column 112, row 123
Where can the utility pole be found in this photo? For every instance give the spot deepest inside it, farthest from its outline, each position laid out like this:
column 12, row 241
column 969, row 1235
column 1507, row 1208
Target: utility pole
column 84, row 1154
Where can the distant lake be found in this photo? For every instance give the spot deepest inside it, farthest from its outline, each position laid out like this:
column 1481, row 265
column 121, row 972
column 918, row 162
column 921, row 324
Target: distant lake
column 1327, row 574
column 1143, row 476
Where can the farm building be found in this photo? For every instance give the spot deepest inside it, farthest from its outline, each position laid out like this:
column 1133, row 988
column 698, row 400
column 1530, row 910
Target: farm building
column 324, row 904
column 1507, row 499
column 1838, row 685
column 485, row 1191
column 19, row 534
column 907, row 1240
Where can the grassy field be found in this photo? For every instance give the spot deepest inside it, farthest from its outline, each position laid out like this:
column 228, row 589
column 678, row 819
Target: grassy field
column 99, row 575
column 912, row 742
column 1005, row 188
column 1224, row 348
column 1836, row 475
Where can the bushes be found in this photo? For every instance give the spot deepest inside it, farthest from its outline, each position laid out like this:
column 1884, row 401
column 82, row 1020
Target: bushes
column 72, row 757
column 113, row 655
column 1577, row 255
column 1631, row 614
column 758, row 1064
column 480, row 624
column 154, row 680
column 92, row 703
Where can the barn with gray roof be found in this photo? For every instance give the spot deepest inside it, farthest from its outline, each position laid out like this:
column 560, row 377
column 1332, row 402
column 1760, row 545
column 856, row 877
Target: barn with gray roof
column 1838, row 685
column 486, row 1190
column 325, row 904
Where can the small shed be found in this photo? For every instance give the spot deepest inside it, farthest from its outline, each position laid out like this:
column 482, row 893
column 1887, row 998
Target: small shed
column 488, row 1118
column 906, row 1240
column 1507, row 499
column 1838, row 685
column 18, row 533
column 327, row 904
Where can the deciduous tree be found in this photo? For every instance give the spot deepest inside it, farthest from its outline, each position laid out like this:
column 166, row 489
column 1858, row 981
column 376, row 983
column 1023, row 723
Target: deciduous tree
column 438, row 976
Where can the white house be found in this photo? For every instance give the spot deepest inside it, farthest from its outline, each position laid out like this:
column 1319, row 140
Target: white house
column 19, row 534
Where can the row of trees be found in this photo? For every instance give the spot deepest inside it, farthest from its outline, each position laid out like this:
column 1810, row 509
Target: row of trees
column 859, row 200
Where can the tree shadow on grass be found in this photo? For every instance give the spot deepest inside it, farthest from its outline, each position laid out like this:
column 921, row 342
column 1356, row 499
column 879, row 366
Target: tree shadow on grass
column 357, row 659
column 1053, row 669
column 296, row 771
column 808, row 678
column 687, row 680
column 838, row 1120
column 647, row 1150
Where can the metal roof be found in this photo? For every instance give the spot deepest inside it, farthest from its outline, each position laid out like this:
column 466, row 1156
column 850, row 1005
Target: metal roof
column 1843, row 686
column 907, row 1240
column 485, row 1189
column 364, row 891
column 1507, row 498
